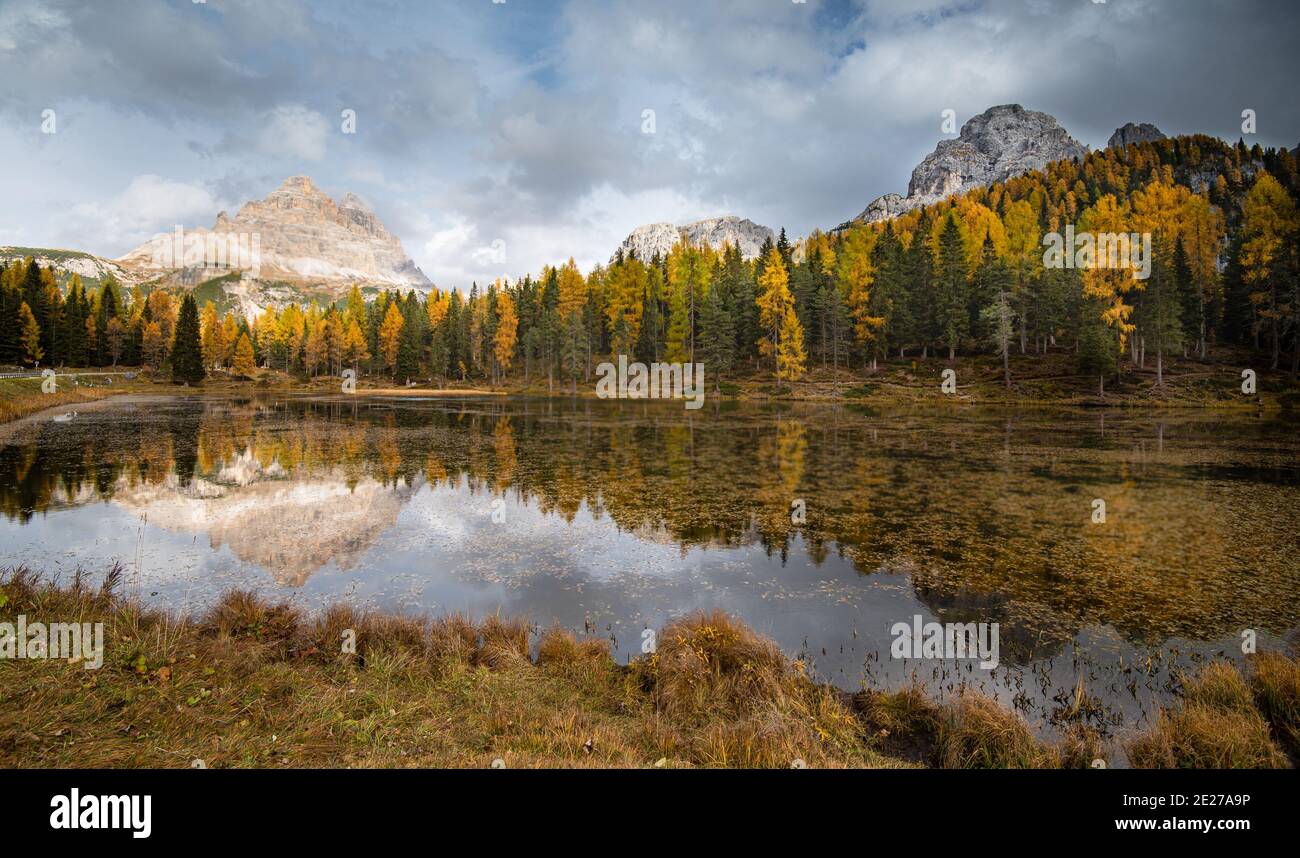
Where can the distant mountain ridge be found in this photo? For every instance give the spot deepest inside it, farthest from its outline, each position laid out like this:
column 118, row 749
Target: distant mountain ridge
column 659, row 238
column 92, row 269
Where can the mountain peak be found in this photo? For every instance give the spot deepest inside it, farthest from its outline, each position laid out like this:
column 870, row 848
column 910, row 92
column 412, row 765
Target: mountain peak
column 1131, row 132
column 1004, row 141
column 302, row 237
column 299, row 184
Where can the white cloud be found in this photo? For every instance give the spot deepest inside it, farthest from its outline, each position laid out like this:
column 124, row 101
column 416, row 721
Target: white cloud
column 294, row 131
column 147, row 206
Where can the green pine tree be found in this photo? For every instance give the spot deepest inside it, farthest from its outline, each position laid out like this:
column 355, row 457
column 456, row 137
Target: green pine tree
column 951, row 288
column 187, row 354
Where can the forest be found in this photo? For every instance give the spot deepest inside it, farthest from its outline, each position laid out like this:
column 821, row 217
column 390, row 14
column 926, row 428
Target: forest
column 965, row 276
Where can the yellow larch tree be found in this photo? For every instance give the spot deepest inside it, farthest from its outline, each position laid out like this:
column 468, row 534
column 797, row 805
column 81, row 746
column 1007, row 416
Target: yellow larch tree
column 503, row 340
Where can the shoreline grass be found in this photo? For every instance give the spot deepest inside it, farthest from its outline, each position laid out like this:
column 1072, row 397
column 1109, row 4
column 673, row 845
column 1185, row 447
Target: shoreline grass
column 22, row 397
column 1038, row 381
column 252, row 683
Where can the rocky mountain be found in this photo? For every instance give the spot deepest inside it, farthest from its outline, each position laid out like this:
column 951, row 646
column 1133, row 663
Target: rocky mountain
column 1001, row 142
column 660, row 237
column 92, row 270
column 1134, row 133
column 295, row 235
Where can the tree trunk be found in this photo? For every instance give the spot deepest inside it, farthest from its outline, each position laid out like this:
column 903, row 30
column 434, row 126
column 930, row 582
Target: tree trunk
column 1277, row 343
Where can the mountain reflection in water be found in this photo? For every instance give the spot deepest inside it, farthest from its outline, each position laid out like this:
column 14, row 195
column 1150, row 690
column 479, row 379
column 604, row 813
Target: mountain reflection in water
column 615, row 516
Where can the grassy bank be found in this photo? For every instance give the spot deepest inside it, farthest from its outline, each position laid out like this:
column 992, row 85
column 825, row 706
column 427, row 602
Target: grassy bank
column 251, row 683
column 1047, row 380
column 22, row 397
column 1037, row 380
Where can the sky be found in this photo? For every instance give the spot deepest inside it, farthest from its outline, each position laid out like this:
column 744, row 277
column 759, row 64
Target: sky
column 495, row 137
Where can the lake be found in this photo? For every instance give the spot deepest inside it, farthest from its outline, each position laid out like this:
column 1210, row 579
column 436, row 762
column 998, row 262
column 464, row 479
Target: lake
column 820, row 526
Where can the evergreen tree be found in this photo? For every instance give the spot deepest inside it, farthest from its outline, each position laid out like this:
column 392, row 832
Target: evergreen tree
column 1096, row 355
column 717, row 336
column 919, row 267
column 953, row 313
column 186, row 351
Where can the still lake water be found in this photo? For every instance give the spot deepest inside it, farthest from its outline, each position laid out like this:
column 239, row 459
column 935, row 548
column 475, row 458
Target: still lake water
column 609, row 517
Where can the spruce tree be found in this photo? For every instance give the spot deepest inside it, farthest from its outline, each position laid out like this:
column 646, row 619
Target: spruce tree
column 953, row 314
column 187, row 353
column 717, row 336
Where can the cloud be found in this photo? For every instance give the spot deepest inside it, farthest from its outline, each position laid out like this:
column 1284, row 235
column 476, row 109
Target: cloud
column 147, row 206
column 288, row 131
column 522, row 123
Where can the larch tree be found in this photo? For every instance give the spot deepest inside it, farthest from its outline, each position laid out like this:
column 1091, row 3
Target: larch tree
column 507, row 331
column 782, row 338
column 1268, row 216
column 855, row 272
column 244, row 363
column 29, row 335
column 390, row 337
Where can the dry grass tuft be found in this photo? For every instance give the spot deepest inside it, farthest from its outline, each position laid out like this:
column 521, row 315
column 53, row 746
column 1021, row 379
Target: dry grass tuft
column 1217, row 727
column 1275, row 684
column 504, row 642
column 1219, row 685
column 1202, row 737
column 453, row 640
column 978, row 733
column 707, row 664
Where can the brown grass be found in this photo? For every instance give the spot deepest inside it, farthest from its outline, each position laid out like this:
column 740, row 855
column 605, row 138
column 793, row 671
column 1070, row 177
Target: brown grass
column 255, row 683
column 978, row 733
column 1217, row 727
column 22, row 397
column 1275, row 684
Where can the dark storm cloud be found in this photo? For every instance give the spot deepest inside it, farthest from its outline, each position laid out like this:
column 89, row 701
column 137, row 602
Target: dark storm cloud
column 525, row 121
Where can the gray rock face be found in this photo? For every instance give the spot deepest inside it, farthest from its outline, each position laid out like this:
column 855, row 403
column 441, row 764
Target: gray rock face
column 1000, row 143
column 303, row 236
column 660, row 237
column 1134, row 133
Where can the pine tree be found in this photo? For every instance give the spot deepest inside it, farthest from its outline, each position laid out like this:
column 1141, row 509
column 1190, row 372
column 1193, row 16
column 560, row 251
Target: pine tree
column 717, row 336
column 790, row 354
column 408, row 351
column 919, row 267
column 1097, row 353
column 186, row 351
column 679, row 322
column 570, row 309
column 214, row 344
column 355, row 350
column 953, row 313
